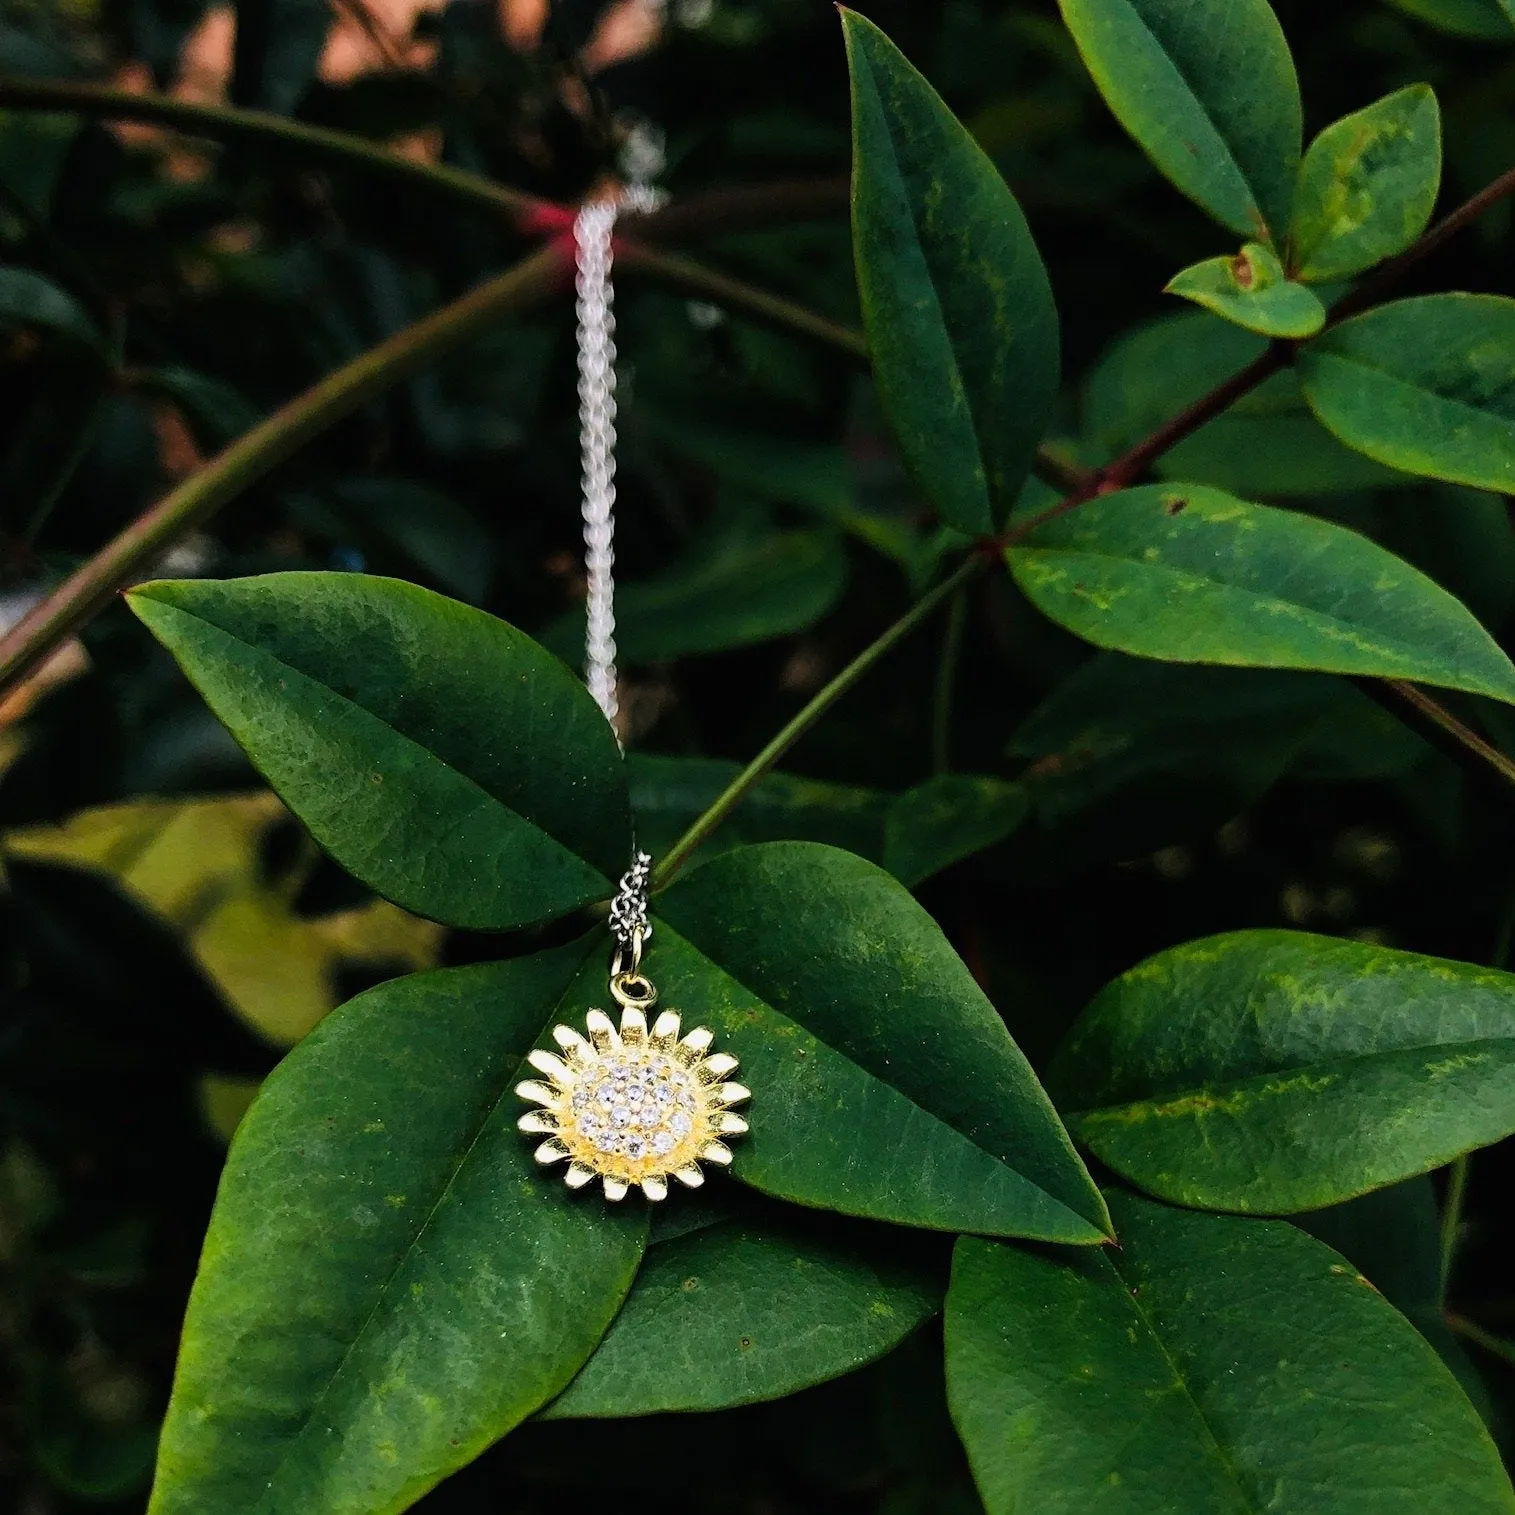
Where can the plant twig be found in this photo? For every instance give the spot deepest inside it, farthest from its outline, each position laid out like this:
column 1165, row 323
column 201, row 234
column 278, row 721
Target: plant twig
column 1436, row 715
column 737, row 789
column 742, row 207
column 1496, row 1346
column 946, row 682
column 273, row 130
column 1451, row 1219
column 131, row 554
column 691, row 278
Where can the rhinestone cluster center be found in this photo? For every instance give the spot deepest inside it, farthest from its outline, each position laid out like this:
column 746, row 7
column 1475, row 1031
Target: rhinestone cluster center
column 636, row 1106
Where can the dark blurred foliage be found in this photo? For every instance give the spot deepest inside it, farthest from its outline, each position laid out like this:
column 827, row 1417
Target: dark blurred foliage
column 227, row 280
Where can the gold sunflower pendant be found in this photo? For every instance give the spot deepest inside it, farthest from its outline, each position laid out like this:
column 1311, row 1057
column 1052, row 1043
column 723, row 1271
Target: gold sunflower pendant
column 633, row 1106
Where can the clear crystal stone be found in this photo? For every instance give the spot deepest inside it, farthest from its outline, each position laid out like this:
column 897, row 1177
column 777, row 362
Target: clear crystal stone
column 606, row 1094
column 662, row 1143
column 608, row 1141
column 588, row 1126
column 681, row 1124
column 662, row 1094
column 634, row 1147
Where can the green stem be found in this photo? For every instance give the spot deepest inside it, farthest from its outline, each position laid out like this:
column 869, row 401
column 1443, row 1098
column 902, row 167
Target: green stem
column 1496, row 1346
column 1436, row 715
column 737, row 789
column 946, row 682
column 222, row 121
column 130, row 556
column 1451, row 1219
column 691, row 278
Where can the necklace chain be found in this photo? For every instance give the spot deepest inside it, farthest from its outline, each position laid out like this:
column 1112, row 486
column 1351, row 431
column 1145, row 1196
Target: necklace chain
column 595, row 309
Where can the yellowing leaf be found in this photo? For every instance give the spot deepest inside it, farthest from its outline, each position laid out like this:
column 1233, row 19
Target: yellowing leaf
column 195, row 864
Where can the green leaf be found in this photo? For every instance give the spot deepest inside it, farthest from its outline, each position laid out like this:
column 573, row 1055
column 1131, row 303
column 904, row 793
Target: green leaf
column 29, row 299
column 1487, row 20
column 736, row 593
column 1423, row 385
column 1274, row 1071
column 389, row 1284
column 1367, row 186
column 1191, row 575
column 946, row 819
column 1252, row 290
column 437, row 753
column 1209, row 1365
column 959, row 314
column 889, row 1087
column 755, row 1309
column 1210, row 95
column 1267, row 444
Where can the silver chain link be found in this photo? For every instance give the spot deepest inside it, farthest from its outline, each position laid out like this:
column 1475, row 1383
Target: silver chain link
column 595, row 308
column 628, row 910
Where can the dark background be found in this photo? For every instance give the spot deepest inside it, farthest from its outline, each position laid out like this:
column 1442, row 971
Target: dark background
column 248, row 274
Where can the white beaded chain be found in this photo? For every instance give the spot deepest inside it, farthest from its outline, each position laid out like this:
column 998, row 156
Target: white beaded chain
column 592, row 230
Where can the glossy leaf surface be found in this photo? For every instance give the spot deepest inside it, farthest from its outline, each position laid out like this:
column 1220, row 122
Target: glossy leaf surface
column 1210, row 95
column 890, row 1087
column 755, row 1308
column 1367, row 186
column 1423, row 385
column 958, row 311
column 1276, row 1071
column 1251, row 289
column 1210, row 1365
column 389, row 1283
column 1189, row 574
column 440, row 755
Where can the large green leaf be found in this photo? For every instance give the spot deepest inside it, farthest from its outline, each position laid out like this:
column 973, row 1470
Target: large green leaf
column 885, row 1085
column 1210, row 94
column 388, row 1284
column 1423, row 385
column 1274, row 1071
column 756, row 1308
column 440, row 755
column 1267, row 444
column 1209, row 1365
column 1367, row 186
column 1251, row 289
column 1192, row 575
column 959, row 314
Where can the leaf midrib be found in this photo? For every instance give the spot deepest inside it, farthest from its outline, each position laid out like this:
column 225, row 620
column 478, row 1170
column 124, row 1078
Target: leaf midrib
column 381, row 1297
column 987, row 499
column 1204, row 110
column 349, row 704
column 930, row 1115
column 1346, row 1061
column 1353, row 360
column 1189, row 575
column 1182, row 1381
